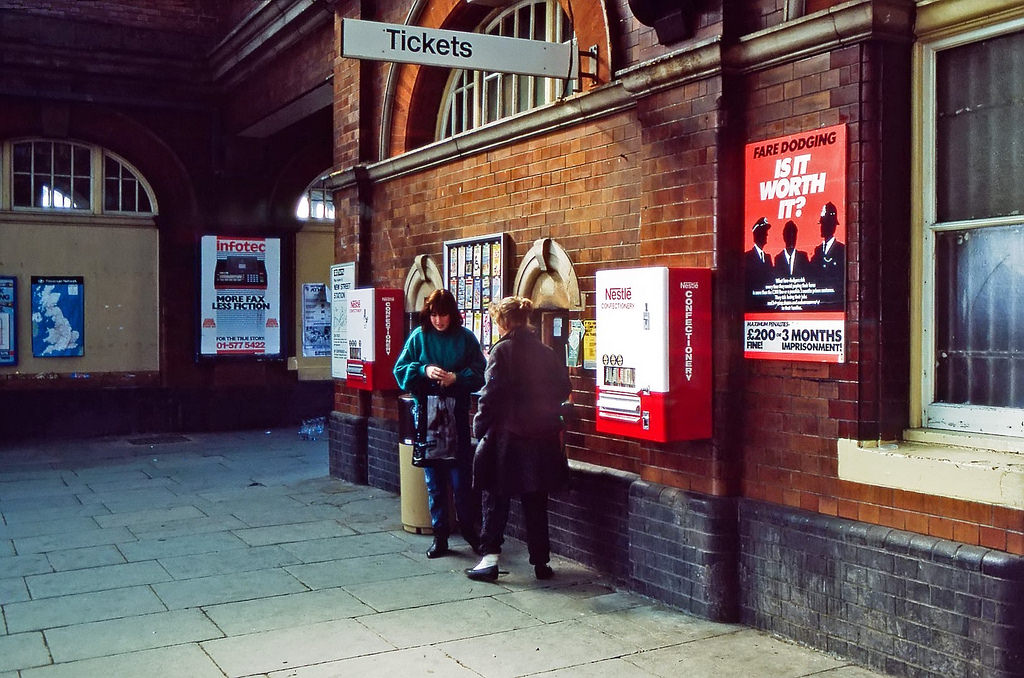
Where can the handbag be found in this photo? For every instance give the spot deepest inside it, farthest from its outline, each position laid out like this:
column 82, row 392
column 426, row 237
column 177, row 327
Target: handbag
column 437, row 435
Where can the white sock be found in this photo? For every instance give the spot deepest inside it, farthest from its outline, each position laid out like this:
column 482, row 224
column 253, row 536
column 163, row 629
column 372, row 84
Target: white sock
column 490, row 560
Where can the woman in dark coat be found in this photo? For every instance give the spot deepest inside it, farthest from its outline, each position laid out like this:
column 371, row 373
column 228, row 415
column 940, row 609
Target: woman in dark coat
column 519, row 425
column 442, row 357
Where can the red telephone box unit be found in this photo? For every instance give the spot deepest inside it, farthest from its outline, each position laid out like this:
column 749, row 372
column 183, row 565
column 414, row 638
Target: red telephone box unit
column 654, row 353
column 374, row 327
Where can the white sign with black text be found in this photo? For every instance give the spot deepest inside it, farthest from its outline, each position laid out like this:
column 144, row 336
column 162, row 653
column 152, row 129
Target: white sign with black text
column 453, row 49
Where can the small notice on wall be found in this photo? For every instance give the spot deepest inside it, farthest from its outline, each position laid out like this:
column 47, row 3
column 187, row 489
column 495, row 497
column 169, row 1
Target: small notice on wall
column 794, row 263
column 316, row 321
column 8, row 320
column 58, row 316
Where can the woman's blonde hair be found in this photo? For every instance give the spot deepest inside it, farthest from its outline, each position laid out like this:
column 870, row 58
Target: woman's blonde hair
column 511, row 312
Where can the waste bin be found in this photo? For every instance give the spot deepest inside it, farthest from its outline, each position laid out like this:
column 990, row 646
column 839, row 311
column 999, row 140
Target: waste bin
column 413, row 489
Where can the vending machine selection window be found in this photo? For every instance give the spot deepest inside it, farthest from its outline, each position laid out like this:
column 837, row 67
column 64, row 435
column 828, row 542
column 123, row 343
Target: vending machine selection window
column 476, row 273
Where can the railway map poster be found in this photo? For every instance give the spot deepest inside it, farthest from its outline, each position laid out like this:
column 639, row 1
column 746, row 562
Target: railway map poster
column 794, row 261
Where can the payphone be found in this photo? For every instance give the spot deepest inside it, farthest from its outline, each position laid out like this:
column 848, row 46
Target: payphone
column 654, row 353
column 374, row 326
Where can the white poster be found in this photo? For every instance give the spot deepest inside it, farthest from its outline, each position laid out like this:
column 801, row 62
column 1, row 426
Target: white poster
column 316, row 321
column 240, row 296
column 343, row 279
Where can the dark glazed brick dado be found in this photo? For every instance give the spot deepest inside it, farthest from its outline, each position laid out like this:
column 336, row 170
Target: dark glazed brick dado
column 898, row 602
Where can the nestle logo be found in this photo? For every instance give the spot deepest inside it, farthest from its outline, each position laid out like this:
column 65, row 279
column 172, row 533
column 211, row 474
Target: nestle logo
column 619, row 293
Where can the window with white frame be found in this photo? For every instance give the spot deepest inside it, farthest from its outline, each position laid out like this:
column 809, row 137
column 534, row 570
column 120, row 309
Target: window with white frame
column 475, row 98
column 47, row 174
column 317, row 202
column 972, row 249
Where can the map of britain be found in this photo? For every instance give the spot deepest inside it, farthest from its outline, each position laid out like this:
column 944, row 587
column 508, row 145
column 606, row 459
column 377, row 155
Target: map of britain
column 57, row 317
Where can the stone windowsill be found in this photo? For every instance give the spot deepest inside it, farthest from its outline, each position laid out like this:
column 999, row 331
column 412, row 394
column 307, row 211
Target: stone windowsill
column 987, row 469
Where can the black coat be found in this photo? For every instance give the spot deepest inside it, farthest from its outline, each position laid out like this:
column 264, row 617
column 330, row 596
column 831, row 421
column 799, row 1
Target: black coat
column 518, row 420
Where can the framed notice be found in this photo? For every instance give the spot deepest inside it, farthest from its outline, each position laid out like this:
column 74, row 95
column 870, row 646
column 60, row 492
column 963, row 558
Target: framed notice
column 58, row 317
column 476, row 272
column 343, row 280
column 794, row 263
column 240, row 296
column 316, row 321
column 8, row 320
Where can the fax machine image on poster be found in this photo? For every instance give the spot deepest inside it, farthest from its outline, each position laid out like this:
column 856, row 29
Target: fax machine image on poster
column 794, row 261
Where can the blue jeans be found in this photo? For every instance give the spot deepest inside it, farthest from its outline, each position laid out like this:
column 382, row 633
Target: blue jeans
column 456, row 479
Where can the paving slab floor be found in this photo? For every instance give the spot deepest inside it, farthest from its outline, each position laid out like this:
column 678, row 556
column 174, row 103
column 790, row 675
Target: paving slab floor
column 235, row 554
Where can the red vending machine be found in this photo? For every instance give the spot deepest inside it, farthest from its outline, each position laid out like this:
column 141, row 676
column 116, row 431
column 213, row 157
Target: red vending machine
column 374, row 326
column 654, row 353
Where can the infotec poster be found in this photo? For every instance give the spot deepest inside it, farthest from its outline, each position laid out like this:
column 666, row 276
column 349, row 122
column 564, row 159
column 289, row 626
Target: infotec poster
column 240, row 296
column 58, row 317
column 8, row 320
column 794, row 261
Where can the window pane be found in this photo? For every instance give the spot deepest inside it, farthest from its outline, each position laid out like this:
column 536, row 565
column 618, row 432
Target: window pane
column 111, row 194
column 62, row 159
column 22, row 157
column 22, row 190
column 41, row 152
column 979, row 304
column 980, row 129
column 144, row 205
column 82, row 167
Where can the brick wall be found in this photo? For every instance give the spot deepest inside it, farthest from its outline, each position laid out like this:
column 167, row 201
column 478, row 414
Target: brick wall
column 382, row 454
column 895, row 601
column 348, row 444
column 185, row 16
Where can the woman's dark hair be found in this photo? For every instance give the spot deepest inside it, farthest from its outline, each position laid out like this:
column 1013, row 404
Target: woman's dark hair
column 440, row 302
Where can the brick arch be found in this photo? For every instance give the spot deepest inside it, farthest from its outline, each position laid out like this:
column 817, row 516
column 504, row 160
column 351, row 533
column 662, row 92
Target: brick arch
column 420, row 88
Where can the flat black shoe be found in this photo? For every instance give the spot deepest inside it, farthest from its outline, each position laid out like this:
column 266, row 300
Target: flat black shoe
column 543, row 572
column 438, row 548
column 483, row 573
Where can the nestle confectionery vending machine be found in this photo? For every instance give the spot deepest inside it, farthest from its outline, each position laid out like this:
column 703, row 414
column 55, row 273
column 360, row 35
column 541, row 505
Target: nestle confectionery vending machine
column 654, row 353
column 374, row 327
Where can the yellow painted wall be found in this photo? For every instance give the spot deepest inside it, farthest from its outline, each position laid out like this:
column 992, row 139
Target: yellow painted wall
column 118, row 260
column 314, row 255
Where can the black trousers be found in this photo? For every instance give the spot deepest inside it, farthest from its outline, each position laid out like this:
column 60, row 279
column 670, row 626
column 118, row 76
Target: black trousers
column 535, row 515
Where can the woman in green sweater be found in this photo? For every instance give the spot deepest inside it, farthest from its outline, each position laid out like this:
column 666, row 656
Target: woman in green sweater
column 443, row 357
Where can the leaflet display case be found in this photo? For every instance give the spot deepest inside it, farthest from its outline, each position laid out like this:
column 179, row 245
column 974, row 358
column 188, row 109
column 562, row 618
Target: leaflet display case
column 654, row 353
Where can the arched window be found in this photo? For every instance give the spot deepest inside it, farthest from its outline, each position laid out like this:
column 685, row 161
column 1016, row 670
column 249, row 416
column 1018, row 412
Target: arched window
column 475, row 98
column 316, row 202
column 64, row 175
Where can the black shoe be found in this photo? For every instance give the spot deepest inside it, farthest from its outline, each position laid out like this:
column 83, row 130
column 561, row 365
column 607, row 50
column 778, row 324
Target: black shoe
column 438, row 548
column 543, row 572
column 483, row 573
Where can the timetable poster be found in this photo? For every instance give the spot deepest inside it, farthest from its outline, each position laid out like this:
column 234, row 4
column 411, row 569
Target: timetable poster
column 8, row 324
column 476, row 272
column 240, row 296
column 794, row 263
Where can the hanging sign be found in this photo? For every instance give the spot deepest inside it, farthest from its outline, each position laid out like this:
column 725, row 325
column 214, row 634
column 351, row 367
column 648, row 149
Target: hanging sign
column 794, row 265
column 453, row 49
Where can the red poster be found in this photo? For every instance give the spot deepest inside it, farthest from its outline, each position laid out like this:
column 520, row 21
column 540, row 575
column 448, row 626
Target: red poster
column 794, row 261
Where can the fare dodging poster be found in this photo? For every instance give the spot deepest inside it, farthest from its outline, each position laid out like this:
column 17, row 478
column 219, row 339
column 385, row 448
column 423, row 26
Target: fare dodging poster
column 794, row 261
column 240, row 296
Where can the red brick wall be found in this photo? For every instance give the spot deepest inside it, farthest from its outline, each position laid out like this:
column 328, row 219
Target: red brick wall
column 191, row 16
column 796, row 411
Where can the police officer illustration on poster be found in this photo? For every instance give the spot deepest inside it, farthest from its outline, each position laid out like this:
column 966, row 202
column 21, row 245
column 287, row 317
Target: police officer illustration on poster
column 758, row 269
column 828, row 263
column 791, row 262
